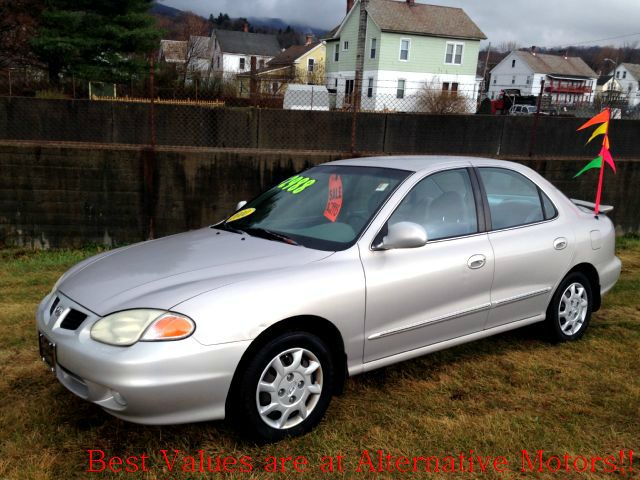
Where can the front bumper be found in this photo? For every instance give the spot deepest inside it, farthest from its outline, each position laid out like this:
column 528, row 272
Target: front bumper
column 149, row 382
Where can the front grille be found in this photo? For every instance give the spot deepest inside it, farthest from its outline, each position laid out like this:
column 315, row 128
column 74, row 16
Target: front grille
column 73, row 320
column 54, row 305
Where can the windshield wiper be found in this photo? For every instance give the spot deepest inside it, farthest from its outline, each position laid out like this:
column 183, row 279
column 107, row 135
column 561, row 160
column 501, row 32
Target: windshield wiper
column 268, row 234
column 229, row 228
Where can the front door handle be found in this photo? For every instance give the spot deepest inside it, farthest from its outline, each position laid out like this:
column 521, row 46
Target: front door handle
column 476, row 262
column 560, row 243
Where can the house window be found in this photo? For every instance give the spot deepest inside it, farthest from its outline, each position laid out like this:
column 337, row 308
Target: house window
column 513, row 80
column 261, row 64
column 370, row 88
column 336, row 52
column 624, row 75
column 513, row 64
column 495, row 80
column 374, row 46
column 454, row 53
column 404, row 50
column 400, row 91
column 348, row 89
column 529, row 80
column 336, row 83
column 450, row 87
column 617, row 74
column 242, row 63
column 345, row 45
column 218, row 62
column 311, row 63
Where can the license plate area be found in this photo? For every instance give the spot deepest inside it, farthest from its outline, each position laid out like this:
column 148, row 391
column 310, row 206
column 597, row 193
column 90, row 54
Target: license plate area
column 47, row 351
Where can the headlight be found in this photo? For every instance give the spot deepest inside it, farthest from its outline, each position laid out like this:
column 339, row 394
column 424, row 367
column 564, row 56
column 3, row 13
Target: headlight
column 128, row 327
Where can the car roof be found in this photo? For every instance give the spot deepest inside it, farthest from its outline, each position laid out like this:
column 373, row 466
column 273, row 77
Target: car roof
column 422, row 162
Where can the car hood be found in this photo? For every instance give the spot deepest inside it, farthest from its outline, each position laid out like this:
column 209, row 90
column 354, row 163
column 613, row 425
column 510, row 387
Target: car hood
column 163, row 273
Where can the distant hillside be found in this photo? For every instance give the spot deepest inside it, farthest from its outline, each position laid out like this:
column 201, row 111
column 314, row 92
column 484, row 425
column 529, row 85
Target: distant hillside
column 180, row 25
column 279, row 24
column 165, row 10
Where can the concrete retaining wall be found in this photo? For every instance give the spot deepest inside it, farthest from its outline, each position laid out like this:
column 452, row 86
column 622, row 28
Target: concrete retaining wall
column 55, row 196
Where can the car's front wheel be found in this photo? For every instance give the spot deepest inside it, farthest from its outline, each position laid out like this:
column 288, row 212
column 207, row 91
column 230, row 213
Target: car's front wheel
column 285, row 388
column 569, row 312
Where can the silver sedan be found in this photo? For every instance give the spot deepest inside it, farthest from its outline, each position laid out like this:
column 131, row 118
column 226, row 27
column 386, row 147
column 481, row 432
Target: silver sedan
column 344, row 268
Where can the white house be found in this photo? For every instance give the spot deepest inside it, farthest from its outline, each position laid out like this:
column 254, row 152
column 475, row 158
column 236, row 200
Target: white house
column 568, row 80
column 234, row 50
column 224, row 52
column 628, row 77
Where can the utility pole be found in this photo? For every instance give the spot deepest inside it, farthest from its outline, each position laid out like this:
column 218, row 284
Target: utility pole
column 484, row 74
column 357, row 88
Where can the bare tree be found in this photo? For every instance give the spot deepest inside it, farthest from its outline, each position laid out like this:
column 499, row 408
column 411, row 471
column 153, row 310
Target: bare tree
column 315, row 77
column 506, row 47
column 435, row 100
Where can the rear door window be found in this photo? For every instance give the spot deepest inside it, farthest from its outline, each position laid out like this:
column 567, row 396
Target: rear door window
column 514, row 200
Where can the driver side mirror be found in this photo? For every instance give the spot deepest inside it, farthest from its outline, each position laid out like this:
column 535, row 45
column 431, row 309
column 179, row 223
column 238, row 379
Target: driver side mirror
column 403, row 235
column 240, row 205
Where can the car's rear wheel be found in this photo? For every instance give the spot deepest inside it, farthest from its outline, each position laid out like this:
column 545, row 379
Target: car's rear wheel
column 569, row 312
column 285, row 388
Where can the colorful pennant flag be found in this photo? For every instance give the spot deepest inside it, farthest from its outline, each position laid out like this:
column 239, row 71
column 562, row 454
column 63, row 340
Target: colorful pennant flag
column 603, row 119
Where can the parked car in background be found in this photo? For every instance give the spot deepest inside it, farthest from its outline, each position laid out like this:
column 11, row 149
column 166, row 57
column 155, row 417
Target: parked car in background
column 523, row 110
column 342, row 269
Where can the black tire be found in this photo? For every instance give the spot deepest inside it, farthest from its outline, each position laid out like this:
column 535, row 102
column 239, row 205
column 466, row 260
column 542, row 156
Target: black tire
column 560, row 327
column 246, row 398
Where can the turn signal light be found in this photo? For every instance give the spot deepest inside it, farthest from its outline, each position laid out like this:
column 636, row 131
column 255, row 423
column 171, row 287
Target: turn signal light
column 169, row 327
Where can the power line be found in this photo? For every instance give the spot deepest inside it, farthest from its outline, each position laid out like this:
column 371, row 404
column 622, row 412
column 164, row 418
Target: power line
column 594, row 41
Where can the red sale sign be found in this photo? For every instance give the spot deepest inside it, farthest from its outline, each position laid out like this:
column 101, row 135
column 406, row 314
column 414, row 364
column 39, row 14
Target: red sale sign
column 334, row 203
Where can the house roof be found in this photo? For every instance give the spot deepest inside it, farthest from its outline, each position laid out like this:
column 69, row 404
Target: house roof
column 604, row 79
column 285, row 69
column 421, row 19
column 248, row 43
column 173, row 51
column 330, row 34
column 633, row 69
column 200, row 47
column 556, row 65
column 293, row 53
column 399, row 16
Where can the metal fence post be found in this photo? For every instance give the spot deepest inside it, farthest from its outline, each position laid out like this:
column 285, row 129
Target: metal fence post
column 534, row 131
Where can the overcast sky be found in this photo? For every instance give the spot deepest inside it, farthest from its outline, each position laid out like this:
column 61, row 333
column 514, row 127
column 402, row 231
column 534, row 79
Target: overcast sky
column 542, row 23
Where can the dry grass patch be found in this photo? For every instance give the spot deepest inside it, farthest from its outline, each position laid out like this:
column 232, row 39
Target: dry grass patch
column 495, row 397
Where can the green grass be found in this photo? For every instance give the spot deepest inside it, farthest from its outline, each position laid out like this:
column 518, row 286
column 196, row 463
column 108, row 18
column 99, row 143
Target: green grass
column 495, row 397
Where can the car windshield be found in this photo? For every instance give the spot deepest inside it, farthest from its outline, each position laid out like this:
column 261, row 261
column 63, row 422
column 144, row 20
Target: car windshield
column 325, row 208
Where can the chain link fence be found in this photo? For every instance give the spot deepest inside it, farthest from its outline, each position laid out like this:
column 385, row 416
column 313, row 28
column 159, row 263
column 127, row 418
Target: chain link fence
column 254, row 112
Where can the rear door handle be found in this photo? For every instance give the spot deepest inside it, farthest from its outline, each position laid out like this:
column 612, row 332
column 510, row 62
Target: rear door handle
column 560, row 243
column 476, row 262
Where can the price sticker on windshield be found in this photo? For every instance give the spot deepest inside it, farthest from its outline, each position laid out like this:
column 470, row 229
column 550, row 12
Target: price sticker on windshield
column 296, row 184
column 241, row 214
column 334, row 203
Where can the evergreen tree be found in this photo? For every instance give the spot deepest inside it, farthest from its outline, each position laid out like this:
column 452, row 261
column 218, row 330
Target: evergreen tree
column 96, row 39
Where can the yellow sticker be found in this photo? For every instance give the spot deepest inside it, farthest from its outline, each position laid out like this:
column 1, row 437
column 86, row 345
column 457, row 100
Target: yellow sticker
column 241, row 214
